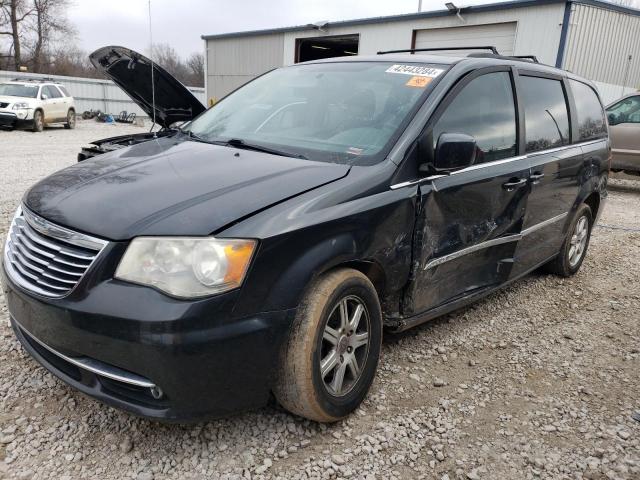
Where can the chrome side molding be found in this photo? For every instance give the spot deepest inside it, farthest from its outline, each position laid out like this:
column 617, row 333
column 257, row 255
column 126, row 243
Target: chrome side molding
column 493, row 242
column 496, row 162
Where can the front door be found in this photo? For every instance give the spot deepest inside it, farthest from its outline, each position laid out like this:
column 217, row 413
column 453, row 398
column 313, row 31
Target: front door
column 53, row 105
column 469, row 222
column 624, row 128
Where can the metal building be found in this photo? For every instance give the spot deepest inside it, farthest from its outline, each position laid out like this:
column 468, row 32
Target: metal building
column 595, row 39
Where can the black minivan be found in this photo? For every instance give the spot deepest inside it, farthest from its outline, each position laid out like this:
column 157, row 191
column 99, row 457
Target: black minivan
column 263, row 247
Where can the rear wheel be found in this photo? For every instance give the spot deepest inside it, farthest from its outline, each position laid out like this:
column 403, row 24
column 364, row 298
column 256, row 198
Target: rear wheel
column 38, row 121
column 330, row 358
column 71, row 120
column 574, row 248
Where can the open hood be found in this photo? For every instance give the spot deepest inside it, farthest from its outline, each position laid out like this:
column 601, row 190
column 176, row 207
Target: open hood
column 131, row 71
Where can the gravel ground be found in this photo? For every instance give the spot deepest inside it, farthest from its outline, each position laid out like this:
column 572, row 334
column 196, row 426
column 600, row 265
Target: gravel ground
column 537, row 381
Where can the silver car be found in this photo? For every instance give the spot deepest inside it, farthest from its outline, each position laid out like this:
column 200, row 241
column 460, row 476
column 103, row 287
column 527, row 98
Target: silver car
column 624, row 131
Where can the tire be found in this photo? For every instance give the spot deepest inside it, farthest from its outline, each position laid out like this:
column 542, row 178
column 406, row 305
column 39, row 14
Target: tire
column 38, row 121
column 71, row 120
column 315, row 335
column 568, row 262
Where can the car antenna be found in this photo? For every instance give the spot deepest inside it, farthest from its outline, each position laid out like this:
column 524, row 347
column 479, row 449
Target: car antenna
column 153, row 85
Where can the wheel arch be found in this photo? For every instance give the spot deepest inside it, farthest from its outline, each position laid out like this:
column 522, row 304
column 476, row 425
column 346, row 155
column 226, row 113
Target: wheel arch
column 593, row 200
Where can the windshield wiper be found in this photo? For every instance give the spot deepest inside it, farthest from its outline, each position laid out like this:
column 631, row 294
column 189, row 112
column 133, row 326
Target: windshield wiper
column 239, row 143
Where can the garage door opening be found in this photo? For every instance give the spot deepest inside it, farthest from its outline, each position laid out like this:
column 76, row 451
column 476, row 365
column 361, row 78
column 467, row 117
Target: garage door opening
column 308, row 49
column 500, row 35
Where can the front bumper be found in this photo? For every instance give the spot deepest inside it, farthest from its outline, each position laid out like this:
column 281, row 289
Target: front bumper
column 205, row 366
column 8, row 119
column 13, row 118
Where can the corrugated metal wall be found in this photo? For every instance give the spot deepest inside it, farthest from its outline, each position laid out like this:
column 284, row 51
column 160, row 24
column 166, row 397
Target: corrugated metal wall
column 90, row 93
column 234, row 61
column 599, row 44
column 538, row 31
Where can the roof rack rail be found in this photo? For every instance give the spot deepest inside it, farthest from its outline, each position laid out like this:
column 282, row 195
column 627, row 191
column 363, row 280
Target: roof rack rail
column 413, row 50
column 533, row 58
column 522, row 58
column 37, row 79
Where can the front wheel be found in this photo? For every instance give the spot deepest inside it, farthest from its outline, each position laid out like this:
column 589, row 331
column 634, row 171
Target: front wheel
column 330, row 358
column 574, row 248
column 38, row 121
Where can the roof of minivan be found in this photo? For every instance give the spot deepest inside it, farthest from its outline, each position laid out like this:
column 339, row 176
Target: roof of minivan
column 479, row 61
column 476, row 62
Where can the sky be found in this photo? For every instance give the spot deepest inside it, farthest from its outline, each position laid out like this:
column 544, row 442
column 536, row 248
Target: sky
column 180, row 23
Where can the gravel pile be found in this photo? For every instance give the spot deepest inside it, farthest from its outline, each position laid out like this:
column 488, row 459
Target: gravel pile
column 538, row 381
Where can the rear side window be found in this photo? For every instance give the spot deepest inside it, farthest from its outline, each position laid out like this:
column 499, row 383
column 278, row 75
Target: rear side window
column 485, row 110
column 63, row 90
column 546, row 116
column 591, row 121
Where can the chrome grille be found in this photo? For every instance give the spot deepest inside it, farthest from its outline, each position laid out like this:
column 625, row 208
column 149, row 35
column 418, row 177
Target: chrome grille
column 45, row 258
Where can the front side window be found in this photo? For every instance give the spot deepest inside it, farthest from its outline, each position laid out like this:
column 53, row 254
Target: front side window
column 343, row 112
column 485, row 110
column 591, row 121
column 626, row 110
column 51, row 92
column 545, row 110
column 64, row 91
column 16, row 90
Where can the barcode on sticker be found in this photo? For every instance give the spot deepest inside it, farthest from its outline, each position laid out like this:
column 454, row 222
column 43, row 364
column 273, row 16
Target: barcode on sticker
column 415, row 70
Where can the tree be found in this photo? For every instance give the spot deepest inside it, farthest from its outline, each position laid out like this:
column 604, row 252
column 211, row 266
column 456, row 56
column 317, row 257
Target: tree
column 49, row 20
column 190, row 73
column 195, row 62
column 14, row 15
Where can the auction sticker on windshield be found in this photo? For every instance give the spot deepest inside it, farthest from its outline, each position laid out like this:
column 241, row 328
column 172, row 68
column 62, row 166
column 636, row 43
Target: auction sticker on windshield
column 418, row 81
column 415, row 70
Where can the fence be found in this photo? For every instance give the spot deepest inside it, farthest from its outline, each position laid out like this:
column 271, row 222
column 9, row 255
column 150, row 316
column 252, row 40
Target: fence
column 94, row 94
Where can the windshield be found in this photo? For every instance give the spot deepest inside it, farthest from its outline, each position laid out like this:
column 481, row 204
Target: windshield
column 345, row 112
column 15, row 90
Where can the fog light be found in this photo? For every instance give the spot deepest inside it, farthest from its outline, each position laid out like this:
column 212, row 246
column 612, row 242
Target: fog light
column 156, row 392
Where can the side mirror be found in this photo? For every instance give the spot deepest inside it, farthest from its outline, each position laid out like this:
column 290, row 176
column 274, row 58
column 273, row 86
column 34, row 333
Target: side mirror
column 44, row 96
column 454, row 151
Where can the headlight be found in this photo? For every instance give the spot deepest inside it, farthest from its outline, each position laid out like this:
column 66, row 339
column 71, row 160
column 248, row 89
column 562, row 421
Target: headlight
column 20, row 106
column 187, row 266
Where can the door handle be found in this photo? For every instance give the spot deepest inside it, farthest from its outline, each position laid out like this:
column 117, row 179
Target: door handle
column 536, row 177
column 514, row 183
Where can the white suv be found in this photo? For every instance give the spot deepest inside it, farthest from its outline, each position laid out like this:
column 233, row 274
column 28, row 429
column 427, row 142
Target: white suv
column 34, row 103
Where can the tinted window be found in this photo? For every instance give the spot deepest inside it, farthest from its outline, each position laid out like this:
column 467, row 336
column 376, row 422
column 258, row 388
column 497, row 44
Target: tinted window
column 63, row 90
column 624, row 111
column 51, row 92
column 546, row 117
column 485, row 110
column 591, row 123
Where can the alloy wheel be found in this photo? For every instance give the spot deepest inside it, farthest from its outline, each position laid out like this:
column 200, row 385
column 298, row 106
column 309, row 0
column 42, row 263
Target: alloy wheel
column 578, row 241
column 345, row 346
